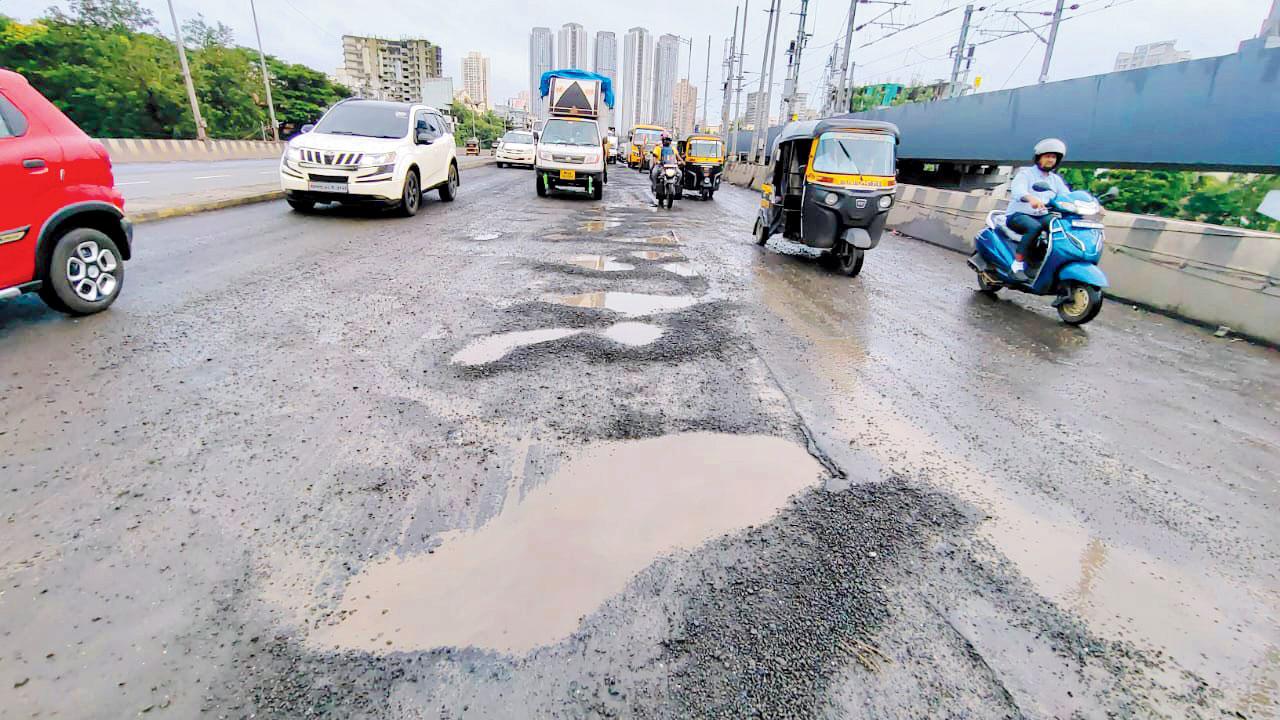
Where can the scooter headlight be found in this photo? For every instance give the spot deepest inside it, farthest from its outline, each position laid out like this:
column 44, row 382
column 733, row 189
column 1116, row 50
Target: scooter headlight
column 671, row 172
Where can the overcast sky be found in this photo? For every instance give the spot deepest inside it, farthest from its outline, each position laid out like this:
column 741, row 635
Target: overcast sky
column 309, row 31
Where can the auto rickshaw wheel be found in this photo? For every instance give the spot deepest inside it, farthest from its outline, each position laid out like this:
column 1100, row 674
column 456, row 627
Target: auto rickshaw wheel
column 761, row 234
column 848, row 259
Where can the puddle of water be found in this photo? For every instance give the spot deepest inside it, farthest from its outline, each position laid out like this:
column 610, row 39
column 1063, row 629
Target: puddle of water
column 667, row 239
column 599, row 262
column 683, row 269
column 496, row 347
column 526, row 578
column 486, row 236
column 633, row 333
column 600, row 225
column 656, row 255
column 627, row 303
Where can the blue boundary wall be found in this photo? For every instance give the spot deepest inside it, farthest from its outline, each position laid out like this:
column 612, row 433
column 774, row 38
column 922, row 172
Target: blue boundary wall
column 1219, row 113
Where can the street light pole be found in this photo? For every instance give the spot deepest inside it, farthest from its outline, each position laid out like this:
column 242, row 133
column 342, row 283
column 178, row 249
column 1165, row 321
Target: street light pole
column 201, row 135
column 954, row 89
column 266, row 79
column 842, row 95
column 706, row 85
column 1053, row 38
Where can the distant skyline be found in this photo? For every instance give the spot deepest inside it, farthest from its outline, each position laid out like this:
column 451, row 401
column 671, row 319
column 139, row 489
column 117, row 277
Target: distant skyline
column 311, row 34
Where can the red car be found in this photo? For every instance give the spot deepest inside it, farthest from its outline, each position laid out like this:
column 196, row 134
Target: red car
column 63, row 231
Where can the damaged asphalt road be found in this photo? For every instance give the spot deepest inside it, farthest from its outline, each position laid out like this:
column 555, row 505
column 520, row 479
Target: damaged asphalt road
column 522, row 457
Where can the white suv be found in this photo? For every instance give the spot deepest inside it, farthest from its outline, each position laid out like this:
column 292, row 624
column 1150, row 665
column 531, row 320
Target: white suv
column 570, row 154
column 516, row 148
column 372, row 152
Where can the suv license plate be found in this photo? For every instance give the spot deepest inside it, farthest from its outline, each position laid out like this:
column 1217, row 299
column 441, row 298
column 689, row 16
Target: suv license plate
column 568, row 175
column 329, row 187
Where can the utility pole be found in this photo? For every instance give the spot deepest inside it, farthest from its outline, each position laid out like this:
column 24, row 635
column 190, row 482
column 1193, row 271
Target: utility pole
column 1053, row 38
column 768, row 88
column 842, row 94
column 793, row 66
column 201, row 135
column 728, row 82
column 266, row 79
column 764, row 68
column 706, row 85
column 953, row 90
column 737, row 93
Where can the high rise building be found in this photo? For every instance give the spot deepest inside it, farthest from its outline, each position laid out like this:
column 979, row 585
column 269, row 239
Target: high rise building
column 684, row 112
column 541, row 59
column 636, row 103
column 1271, row 27
column 1160, row 53
column 475, row 78
column 381, row 69
column 605, row 56
column 573, row 47
column 666, row 70
column 520, row 101
column 749, row 112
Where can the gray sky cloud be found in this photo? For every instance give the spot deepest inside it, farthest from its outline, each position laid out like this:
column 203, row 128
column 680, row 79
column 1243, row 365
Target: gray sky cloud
column 309, row 31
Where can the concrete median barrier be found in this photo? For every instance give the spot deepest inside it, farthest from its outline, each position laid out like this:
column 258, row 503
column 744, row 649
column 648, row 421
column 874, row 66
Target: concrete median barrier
column 1208, row 274
column 129, row 150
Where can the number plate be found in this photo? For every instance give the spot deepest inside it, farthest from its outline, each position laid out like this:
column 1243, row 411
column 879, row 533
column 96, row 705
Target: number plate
column 568, row 175
column 329, row 187
column 764, row 203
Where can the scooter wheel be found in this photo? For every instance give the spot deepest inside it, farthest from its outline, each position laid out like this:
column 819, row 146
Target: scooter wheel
column 1082, row 304
column 987, row 286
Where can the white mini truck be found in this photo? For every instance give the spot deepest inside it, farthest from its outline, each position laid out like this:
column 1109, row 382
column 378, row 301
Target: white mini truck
column 571, row 149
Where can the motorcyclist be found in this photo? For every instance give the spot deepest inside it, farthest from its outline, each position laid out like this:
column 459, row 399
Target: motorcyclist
column 666, row 153
column 1028, row 211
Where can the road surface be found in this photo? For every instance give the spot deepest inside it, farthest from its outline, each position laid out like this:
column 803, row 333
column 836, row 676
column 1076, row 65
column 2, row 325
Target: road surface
column 548, row 457
column 140, row 182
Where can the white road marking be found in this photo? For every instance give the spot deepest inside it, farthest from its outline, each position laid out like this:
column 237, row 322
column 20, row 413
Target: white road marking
column 134, row 182
column 209, row 177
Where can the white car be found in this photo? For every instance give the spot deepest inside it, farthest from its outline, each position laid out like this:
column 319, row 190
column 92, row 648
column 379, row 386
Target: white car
column 570, row 154
column 611, row 147
column 516, row 148
column 369, row 151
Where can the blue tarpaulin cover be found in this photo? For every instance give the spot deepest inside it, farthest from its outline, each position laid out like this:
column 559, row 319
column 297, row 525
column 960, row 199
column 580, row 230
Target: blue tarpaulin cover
column 606, row 85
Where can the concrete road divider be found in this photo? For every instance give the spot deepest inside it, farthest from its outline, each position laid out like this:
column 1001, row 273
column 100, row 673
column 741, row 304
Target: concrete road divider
column 1208, row 274
column 127, row 150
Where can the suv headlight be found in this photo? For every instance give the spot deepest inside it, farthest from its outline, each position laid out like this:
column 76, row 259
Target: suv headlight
column 372, row 159
column 293, row 153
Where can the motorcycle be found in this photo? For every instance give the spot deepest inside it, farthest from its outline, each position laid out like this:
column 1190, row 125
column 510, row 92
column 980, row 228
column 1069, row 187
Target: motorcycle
column 667, row 185
column 1063, row 263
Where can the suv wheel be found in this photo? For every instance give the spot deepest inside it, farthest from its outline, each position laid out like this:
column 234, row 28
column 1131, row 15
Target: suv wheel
column 449, row 190
column 411, row 197
column 85, row 273
column 301, row 205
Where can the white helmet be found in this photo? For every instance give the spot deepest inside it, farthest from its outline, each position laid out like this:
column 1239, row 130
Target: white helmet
column 1051, row 145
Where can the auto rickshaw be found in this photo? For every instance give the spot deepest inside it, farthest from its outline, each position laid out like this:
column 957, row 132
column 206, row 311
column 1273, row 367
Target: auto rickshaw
column 473, row 146
column 830, row 186
column 640, row 144
column 703, row 164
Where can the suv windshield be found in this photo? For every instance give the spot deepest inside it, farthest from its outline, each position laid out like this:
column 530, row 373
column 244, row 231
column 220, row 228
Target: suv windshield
column 520, row 138
column 570, row 132
column 366, row 119
column 845, row 153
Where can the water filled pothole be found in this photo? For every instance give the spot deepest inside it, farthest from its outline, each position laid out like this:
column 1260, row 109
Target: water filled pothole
column 496, row 347
column 599, row 262
column 486, row 236
column 633, row 333
column 600, row 225
column 664, row 239
column 656, row 255
column 626, row 303
column 527, row 577
column 683, row 269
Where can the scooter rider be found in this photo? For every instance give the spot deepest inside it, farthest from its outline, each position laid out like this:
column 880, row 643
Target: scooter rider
column 1028, row 211
column 667, row 154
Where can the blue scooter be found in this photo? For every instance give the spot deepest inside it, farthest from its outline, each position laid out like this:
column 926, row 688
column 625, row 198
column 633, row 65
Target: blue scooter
column 1064, row 264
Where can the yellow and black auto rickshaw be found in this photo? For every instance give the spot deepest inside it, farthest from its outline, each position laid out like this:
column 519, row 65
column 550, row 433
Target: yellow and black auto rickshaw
column 830, row 187
column 640, row 144
column 703, row 164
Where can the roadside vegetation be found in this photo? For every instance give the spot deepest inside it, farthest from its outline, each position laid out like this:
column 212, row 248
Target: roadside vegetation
column 108, row 66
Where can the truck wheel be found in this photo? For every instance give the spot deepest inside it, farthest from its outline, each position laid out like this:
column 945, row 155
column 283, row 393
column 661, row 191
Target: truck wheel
column 597, row 191
column 411, row 196
column 449, row 190
column 85, row 273
column 538, row 185
column 1083, row 303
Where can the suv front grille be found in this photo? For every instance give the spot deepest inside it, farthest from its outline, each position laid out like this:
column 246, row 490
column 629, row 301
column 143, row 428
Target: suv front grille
column 325, row 157
column 570, row 159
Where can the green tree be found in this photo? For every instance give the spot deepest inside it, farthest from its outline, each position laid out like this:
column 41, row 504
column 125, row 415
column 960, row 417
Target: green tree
column 198, row 33
column 300, row 93
column 486, row 126
column 106, row 14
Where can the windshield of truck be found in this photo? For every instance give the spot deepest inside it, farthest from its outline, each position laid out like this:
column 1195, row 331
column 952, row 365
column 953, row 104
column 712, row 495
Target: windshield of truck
column 570, row 132
column 366, row 119
column 518, row 138
column 704, row 149
column 849, row 153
